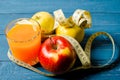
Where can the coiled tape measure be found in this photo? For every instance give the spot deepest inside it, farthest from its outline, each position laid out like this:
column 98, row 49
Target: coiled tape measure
column 84, row 56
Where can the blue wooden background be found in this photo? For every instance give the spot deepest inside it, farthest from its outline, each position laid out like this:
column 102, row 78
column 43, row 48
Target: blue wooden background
column 105, row 17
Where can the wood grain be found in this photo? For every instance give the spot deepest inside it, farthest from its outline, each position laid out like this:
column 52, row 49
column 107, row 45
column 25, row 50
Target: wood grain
column 25, row 6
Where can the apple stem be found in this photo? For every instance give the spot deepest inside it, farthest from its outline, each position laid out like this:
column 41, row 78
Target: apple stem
column 53, row 44
column 37, row 17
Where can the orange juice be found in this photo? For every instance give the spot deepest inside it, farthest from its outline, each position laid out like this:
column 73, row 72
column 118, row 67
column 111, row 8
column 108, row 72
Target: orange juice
column 24, row 41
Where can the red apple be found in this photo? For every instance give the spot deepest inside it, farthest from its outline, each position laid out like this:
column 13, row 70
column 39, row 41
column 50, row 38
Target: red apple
column 57, row 55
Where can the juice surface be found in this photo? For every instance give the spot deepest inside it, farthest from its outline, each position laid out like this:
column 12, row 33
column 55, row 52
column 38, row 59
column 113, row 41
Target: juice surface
column 24, row 42
column 22, row 32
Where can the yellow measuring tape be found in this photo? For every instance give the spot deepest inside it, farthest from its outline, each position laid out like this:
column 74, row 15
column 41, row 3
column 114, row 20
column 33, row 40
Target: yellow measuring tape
column 84, row 56
column 80, row 17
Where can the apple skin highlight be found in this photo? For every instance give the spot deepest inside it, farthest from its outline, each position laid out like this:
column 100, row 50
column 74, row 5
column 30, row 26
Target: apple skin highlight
column 57, row 55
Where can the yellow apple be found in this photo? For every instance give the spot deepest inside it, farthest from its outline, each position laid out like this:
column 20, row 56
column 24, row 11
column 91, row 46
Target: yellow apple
column 74, row 31
column 45, row 20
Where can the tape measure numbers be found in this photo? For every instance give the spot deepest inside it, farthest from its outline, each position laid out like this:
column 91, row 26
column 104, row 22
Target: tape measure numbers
column 79, row 51
column 80, row 17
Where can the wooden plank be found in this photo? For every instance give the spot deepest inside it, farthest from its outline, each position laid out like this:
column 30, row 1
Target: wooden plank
column 3, row 48
column 16, row 6
column 100, row 21
column 11, row 71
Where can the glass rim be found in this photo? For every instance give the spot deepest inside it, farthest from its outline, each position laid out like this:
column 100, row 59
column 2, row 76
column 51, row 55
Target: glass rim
column 24, row 41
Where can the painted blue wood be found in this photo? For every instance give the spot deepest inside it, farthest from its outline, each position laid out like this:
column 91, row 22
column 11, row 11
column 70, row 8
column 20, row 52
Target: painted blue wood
column 3, row 48
column 26, row 6
column 6, row 18
column 100, row 21
column 13, row 72
column 105, row 17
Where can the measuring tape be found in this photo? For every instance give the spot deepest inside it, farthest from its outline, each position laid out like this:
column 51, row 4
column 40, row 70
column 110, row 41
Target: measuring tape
column 80, row 17
column 84, row 56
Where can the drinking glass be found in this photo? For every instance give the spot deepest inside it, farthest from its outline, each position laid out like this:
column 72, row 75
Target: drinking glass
column 24, row 39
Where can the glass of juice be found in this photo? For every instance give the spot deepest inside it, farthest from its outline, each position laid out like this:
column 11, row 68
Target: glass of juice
column 24, row 39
